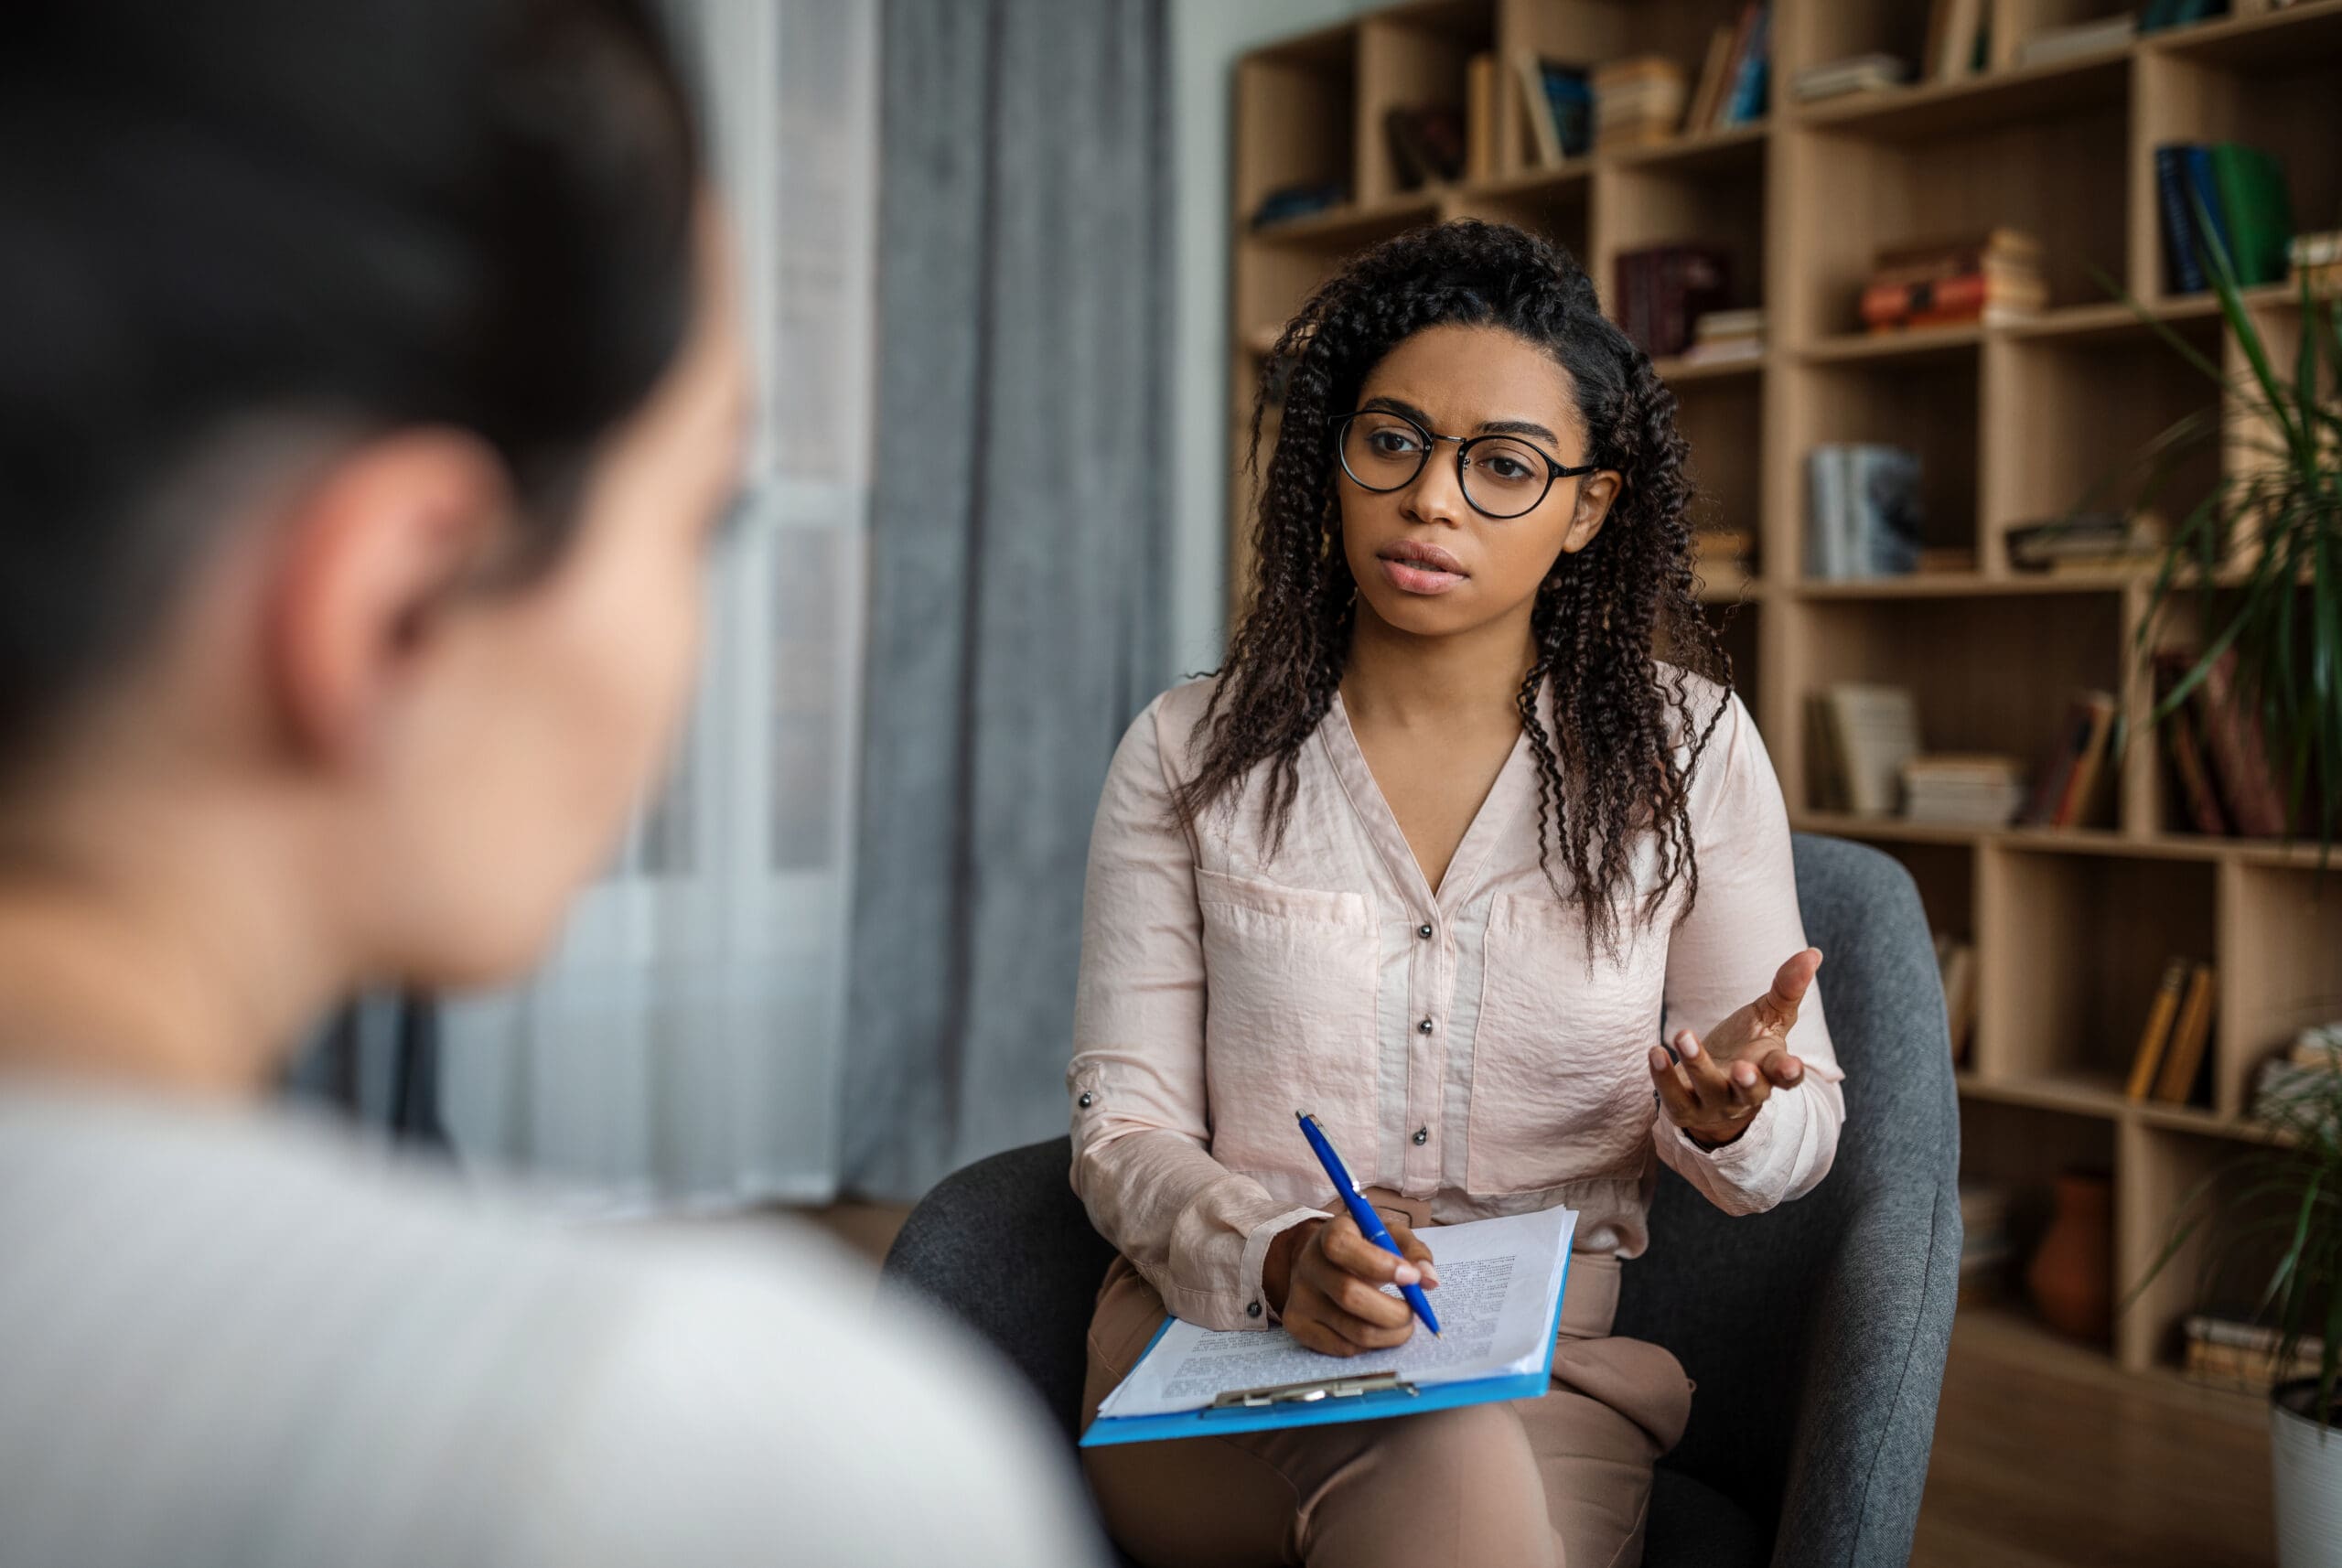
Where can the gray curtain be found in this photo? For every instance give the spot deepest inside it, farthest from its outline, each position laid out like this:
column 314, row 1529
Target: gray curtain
column 1017, row 552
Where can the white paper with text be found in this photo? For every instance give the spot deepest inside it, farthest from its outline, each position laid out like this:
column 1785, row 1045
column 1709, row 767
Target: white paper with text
column 1498, row 1282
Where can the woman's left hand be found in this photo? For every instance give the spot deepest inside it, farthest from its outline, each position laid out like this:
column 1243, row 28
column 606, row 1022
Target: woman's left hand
column 1714, row 1090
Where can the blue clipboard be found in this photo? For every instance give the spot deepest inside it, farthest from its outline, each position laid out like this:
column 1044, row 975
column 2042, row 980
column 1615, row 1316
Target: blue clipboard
column 1326, row 1403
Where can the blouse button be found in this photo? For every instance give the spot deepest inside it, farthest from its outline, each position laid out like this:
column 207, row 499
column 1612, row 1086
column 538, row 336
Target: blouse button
column 1424, row 932
column 1422, row 1136
column 1252, row 1309
column 1424, row 1027
column 1086, row 1099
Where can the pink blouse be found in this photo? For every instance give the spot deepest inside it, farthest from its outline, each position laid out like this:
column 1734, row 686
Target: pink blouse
column 1457, row 1047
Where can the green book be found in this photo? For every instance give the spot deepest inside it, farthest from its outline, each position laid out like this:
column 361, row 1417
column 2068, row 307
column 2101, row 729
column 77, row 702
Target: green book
column 2251, row 186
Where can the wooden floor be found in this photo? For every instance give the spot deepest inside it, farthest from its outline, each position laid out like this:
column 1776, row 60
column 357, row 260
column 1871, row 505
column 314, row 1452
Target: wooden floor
column 2046, row 1455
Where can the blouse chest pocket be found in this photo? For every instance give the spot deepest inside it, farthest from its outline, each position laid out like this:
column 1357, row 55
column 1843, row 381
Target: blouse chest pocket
column 1289, row 981
column 1560, row 1089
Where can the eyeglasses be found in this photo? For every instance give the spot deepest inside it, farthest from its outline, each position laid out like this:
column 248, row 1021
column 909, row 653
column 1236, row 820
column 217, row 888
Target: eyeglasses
column 1502, row 476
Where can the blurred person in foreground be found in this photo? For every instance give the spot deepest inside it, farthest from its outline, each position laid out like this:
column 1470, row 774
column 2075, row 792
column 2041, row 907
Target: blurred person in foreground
column 369, row 391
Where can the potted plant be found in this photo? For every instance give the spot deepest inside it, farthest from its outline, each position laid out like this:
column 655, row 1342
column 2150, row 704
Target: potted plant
column 2261, row 556
column 2261, row 553
column 2287, row 1197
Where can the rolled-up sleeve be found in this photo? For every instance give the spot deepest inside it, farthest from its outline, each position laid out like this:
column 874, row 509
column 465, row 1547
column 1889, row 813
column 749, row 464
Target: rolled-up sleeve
column 1141, row 1108
column 1742, row 927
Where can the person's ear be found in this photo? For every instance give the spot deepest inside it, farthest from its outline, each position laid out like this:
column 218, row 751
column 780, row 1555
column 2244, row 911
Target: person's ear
column 1595, row 493
column 370, row 560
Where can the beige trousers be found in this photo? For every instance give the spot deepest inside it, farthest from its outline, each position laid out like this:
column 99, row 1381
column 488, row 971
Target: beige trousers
column 1561, row 1481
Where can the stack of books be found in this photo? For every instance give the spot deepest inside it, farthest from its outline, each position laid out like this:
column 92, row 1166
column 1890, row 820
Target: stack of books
column 1991, row 277
column 1735, row 80
column 1863, row 736
column 1557, row 102
column 1963, row 790
column 1719, row 335
column 2288, row 1086
column 1637, row 102
column 2074, row 787
column 2100, row 34
column 1956, row 967
column 1660, row 291
column 2231, row 1352
column 1862, row 516
column 2219, row 759
column 1985, row 1249
column 2316, row 260
column 2088, row 542
column 2172, row 1044
column 1856, row 73
column 2241, row 191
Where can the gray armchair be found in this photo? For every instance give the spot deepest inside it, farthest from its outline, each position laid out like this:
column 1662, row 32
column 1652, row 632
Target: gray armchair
column 1816, row 1333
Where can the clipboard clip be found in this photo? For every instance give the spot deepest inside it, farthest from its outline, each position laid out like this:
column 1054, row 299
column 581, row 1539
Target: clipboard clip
column 1310, row 1392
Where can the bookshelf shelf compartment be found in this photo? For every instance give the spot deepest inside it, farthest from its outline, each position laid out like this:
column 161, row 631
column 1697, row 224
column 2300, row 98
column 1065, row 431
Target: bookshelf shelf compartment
column 1928, row 406
column 1990, row 101
column 2114, row 924
column 2305, row 33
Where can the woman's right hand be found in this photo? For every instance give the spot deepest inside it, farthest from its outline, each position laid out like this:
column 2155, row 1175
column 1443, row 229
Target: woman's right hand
column 1325, row 1281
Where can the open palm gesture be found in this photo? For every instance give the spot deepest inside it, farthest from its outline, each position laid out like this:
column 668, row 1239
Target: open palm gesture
column 1713, row 1090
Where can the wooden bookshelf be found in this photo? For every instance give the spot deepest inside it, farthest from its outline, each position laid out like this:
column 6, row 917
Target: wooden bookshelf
column 2013, row 423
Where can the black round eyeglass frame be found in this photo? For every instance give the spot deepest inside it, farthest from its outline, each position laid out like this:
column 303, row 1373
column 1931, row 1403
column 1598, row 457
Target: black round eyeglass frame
column 1464, row 444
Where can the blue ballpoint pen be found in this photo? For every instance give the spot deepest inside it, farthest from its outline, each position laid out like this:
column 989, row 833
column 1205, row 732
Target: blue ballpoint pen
column 1369, row 1222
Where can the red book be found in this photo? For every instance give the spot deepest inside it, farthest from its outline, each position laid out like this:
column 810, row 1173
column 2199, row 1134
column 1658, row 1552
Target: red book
column 2240, row 753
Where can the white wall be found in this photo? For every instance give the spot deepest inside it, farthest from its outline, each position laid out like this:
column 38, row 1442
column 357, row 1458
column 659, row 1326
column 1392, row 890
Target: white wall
column 1206, row 38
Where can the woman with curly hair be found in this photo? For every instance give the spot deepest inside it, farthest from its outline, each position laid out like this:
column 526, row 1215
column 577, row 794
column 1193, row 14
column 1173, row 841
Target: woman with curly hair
column 1442, row 854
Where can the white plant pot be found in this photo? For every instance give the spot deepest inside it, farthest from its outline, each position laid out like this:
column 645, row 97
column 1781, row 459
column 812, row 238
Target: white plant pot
column 2305, row 1466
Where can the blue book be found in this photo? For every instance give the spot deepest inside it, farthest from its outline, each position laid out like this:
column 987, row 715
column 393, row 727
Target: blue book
column 2183, row 272
column 1749, row 88
column 1569, row 93
column 1497, row 1343
column 2205, row 189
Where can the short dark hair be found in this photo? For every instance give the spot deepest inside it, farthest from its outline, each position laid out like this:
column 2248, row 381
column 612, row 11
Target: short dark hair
column 384, row 213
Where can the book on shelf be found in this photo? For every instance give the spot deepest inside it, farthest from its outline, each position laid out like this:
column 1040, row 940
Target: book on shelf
column 2075, row 779
column 1955, row 966
column 1723, row 550
column 2074, row 40
column 1287, row 203
column 1749, row 89
column 2238, row 191
column 1864, row 734
column 2232, row 734
column 1660, row 291
column 1727, row 335
column 1863, row 516
column 2191, row 1032
column 2284, row 1090
column 2230, row 1350
column 1986, row 1249
column 1991, row 277
column 1480, row 117
column 1708, row 96
column 2163, row 1011
column 1637, row 102
column 1556, row 107
column 1963, row 790
column 1959, row 39
column 2190, row 767
column 1735, row 76
column 2320, row 1045
column 2161, row 15
column 1427, row 144
column 1856, row 73
column 2087, row 542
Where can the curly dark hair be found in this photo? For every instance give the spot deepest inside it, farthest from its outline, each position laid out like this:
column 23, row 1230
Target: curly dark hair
column 1607, row 770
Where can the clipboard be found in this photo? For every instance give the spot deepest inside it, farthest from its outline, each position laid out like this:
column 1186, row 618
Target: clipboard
column 1329, row 1400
